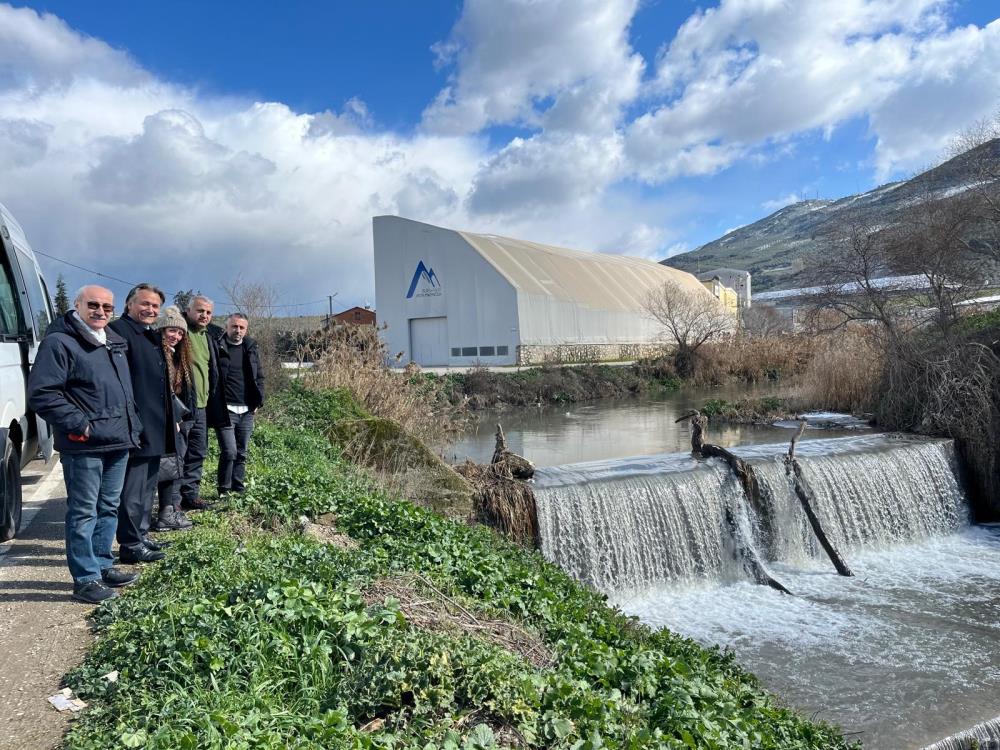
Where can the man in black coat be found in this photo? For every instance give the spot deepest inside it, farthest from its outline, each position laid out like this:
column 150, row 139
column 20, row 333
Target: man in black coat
column 152, row 392
column 241, row 383
column 81, row 385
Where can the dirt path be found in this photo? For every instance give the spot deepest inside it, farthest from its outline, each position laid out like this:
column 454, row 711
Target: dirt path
column 43, row 632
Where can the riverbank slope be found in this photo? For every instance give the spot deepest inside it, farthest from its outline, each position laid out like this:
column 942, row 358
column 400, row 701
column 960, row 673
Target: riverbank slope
column 255, row 634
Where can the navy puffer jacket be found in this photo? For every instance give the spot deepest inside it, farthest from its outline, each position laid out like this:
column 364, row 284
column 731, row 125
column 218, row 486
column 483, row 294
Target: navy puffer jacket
column 76, row 383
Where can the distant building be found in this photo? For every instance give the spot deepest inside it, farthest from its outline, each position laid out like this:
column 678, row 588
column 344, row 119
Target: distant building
column 728, row 297
column 457, row 298
column 355, row 316
column 738, row 281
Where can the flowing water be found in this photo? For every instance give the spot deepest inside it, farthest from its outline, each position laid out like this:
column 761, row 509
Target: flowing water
column 902, row 654
column 561, row 434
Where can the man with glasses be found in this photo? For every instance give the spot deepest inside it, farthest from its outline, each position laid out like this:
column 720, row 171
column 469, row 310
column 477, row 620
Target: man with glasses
column 153, row 400
column 81, row 385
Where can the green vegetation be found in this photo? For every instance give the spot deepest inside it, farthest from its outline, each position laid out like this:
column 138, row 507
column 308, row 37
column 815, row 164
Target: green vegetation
column 748, row 410
column 252, row 635
column 485, row 389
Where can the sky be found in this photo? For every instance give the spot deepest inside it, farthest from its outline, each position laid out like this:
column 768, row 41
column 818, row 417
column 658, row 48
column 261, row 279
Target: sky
column 196, row 144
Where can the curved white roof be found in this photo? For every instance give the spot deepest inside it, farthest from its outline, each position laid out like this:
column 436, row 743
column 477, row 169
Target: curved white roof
column 595, row 280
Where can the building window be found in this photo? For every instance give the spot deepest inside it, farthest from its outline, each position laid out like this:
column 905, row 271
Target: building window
column 456, row 352
column 486, row 351
column 501, row 351
column 468, row 351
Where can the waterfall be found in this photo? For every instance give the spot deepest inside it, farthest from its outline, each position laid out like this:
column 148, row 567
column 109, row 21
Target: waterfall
column 625, row 524
column 985, row 736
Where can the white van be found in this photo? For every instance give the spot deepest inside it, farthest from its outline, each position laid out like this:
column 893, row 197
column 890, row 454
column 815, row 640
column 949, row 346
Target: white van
column 25, row 313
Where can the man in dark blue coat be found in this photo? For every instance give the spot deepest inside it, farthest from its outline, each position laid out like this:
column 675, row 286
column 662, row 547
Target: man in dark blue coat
column 152, row 392
column 81, row 385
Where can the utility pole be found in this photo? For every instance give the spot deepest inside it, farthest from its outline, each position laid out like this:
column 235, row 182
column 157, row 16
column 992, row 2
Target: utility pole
column 329, row 318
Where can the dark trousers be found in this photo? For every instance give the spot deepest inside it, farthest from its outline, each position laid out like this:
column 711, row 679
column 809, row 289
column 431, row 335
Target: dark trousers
column 169, row 492
column 136, row 504
column 194, row 458
column 233, row 443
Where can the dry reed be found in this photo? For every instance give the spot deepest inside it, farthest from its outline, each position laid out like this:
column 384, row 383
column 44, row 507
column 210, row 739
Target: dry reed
column 355, row 358
column 844, row 373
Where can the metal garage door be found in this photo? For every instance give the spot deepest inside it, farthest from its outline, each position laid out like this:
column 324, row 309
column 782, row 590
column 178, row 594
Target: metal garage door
column 429, row 341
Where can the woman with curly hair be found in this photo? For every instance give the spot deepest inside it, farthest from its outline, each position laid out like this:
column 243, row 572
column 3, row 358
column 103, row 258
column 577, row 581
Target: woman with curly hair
column 177, row 351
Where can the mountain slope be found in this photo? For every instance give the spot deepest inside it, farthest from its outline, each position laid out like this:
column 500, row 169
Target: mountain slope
column 776, row 249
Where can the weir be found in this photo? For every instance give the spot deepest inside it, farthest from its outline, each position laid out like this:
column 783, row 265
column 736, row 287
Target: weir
column 628, row 524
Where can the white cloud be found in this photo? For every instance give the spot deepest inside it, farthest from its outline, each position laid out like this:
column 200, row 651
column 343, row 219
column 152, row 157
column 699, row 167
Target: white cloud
column 755, row 72
column 111, row 167
column 776, row 203
column 562, row 64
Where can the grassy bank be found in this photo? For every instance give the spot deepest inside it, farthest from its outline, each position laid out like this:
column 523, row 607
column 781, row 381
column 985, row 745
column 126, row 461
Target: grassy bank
column 739, row 359
column 485, row 389
column 254, row 635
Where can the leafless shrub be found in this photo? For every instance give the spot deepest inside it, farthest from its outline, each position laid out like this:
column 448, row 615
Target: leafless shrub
column 258, row 301
column 689, row 318
column 355, row 358
column 952, row 390
column 761, row 322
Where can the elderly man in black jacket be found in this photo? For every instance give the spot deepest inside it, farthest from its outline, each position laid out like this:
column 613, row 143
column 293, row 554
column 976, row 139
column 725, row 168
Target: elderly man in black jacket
column 152, row 390
column 241, row 382
column 81, row 385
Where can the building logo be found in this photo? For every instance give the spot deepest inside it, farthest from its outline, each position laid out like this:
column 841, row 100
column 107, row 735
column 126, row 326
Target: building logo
column 431, row 286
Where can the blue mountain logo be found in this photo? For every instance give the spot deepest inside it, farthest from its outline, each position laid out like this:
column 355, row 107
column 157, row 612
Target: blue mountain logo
column 425, row 273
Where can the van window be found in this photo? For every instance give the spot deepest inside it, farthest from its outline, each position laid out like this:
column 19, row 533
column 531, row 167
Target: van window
column 8, row 300
column 37, row 299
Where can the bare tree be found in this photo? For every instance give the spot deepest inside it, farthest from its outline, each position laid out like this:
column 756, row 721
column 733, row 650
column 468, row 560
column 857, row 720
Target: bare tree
column 689, row 318
column 914, row 272
column 762, row 322
column 257, row 301
column 978, row 147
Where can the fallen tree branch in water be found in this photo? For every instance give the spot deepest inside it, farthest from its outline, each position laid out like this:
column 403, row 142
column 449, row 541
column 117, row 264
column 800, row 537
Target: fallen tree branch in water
column 751, row 490
column 805, row 495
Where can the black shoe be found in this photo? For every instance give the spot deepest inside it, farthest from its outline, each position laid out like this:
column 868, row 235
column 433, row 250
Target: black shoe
column 141, row 555
column 171, row 520
column 94, row 592
column 115, row 577
column 195, row 504
column 150, row 543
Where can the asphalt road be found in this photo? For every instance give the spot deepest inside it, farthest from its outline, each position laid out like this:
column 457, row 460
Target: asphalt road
column 43, row 632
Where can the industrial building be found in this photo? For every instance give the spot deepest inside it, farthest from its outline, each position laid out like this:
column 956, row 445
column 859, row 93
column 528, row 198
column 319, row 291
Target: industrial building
column 735, row 279
column 458, row 298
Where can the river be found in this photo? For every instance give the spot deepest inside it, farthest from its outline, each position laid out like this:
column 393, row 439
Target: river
column 551, row 435
column 899, row 656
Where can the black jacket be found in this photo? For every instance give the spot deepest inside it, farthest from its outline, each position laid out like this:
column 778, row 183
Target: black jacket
column 76, row 383
column 253, row 373
column 216, row 413
column 149, row 383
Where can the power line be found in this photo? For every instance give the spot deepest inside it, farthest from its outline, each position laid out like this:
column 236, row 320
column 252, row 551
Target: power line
column 172, row 294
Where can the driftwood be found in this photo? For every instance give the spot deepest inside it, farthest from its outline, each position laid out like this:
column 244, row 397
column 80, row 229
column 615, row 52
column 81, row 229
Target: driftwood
column 502, row 499
column 806, row 497
column 751, row 490
column 508, row 462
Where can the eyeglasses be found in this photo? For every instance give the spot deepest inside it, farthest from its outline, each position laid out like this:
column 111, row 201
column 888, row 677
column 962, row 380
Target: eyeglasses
column 98, row 306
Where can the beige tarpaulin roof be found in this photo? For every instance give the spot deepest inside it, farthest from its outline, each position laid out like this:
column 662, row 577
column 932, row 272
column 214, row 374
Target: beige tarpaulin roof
column 595, row 280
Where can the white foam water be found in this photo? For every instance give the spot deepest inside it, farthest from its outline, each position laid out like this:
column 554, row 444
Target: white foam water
column 903, row 654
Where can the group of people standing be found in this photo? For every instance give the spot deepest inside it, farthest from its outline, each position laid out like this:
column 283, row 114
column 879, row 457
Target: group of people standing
column 130, row 401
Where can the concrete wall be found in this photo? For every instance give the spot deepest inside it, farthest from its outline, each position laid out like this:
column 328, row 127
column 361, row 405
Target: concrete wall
column 539, row 354
column 479, row 303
